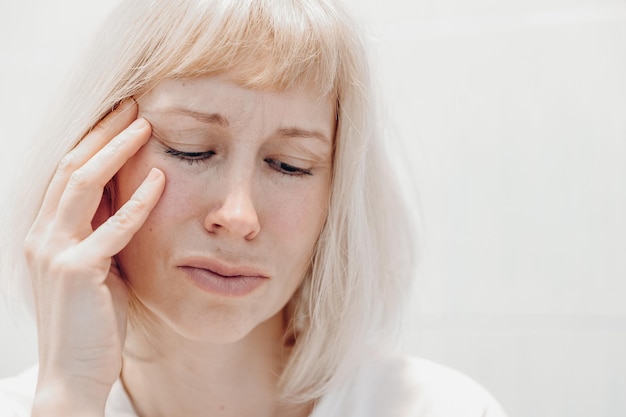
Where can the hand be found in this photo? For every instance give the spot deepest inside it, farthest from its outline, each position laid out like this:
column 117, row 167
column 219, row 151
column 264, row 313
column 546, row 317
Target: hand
column 81, row 301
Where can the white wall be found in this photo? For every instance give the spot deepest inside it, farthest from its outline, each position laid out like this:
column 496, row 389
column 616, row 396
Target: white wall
column 516, row 119
column 39, row 41
column 513, row 116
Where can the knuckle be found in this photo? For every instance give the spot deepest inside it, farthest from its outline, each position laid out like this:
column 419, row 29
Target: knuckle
column 35, row 244
column 128, row 215
column 62, row 265
column 57, row 266
column 78, row 180
column 30, row 248
column 116, row 144
column 137, row 205
column 121, row 220
column 69, row 163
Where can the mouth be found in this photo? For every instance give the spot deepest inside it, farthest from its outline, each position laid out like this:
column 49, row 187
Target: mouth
column 223, row 280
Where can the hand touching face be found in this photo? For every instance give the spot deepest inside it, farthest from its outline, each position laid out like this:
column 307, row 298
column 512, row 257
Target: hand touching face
column 80, row 298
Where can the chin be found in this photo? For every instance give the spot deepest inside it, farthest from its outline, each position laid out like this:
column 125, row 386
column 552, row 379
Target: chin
column 216, row 325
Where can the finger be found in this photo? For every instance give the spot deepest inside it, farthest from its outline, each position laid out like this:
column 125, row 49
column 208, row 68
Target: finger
column 114, row 234
column 119, row 294
column 114, row 123
column 83, row 192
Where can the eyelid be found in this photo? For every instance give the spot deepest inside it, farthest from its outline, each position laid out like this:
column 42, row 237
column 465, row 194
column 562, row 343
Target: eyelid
column 287, row 169
column 190, row 157
column 190, row 142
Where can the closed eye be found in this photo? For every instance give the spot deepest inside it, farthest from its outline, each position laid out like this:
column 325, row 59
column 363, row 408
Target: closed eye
column 191, row 157
column 287, row 169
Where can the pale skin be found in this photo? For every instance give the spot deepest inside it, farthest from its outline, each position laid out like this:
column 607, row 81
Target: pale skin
column 244, row 189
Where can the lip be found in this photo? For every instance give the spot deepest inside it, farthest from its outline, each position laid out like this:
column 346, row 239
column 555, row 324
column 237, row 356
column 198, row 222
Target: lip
column 221, row 279
column 223, row 269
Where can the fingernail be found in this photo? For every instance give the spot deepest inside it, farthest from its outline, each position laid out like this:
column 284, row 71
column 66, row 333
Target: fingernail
column 138, row 124
column 124, row 104
column 154, row 175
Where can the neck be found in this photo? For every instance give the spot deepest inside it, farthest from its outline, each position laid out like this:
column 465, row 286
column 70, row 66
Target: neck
column 174, row 376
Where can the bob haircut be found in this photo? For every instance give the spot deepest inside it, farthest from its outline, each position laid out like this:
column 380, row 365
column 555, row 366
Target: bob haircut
column 353, row 295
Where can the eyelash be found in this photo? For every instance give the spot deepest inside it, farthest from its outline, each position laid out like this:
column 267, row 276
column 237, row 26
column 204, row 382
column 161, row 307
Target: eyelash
column 190, row 157
column 287, row 169
column 197, row 157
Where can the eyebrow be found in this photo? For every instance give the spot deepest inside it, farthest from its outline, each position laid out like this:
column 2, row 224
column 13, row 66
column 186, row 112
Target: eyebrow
column 209, row 118
column 220, row 120
column 296, row 132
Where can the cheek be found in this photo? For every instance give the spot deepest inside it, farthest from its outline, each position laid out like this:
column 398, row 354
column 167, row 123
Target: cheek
column 178, row 197
column 296, row 216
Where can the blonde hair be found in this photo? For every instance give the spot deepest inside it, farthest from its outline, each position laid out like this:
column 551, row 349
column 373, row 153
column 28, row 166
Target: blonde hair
column 353, row 295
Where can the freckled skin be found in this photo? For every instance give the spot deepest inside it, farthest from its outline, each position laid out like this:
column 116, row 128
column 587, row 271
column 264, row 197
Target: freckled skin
column 240, row 206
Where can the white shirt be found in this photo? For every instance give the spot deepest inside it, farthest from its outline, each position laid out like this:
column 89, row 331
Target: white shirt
column 386, row 386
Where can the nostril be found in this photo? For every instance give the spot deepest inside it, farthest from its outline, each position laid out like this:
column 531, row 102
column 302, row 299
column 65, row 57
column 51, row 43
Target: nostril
column 213, row 228
column 234, row 213
column 253, row 234
column 238, row 223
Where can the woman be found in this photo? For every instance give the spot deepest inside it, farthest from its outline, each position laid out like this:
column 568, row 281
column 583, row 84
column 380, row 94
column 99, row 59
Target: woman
column 216, row 230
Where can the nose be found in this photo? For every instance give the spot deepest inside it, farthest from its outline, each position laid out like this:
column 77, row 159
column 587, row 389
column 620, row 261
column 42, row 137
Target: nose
column 235, row 214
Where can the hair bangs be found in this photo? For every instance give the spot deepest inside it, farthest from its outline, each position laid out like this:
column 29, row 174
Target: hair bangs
column 260, row 45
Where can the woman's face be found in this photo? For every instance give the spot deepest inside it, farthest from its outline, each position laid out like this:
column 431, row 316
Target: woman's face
column 248, row 176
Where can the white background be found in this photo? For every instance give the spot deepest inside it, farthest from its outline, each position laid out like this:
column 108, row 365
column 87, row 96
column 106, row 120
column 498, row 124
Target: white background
column 513, row 118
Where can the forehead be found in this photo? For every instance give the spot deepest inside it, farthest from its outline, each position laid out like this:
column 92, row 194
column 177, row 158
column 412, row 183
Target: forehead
column 220, row 95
